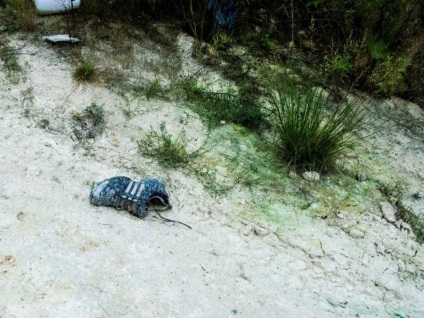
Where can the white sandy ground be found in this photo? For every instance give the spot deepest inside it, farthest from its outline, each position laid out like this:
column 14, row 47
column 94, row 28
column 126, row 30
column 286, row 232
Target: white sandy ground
column 62, row 257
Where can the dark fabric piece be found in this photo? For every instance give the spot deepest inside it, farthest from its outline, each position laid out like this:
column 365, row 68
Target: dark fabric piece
column 224, row 11
column 123, row 193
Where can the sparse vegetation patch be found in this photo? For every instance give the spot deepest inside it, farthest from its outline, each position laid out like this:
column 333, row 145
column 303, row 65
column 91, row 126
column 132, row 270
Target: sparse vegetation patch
column 170, row 152
column 90, row 123
column 9, row 61
column 217, row 108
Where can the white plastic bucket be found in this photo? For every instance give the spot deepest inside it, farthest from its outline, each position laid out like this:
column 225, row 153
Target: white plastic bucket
column 55, row 6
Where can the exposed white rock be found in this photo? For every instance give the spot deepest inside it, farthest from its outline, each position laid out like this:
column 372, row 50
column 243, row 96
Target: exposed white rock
column 356, row 233
column 388, row 212
column 311, row 176
column 361, row 176
column 292, row 174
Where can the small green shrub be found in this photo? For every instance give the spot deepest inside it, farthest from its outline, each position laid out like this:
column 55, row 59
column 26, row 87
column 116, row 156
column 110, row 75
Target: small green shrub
column 90, row 123
column 85, row 72
column 388, row 76
column 309, row 134
column 378, row 49
column 43, row 123
column 339, row 66
column 170, row 152
column 96, row 114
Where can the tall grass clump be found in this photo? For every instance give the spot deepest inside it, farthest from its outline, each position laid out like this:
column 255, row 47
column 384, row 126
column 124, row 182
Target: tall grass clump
column 85, row 72
column 309, row 132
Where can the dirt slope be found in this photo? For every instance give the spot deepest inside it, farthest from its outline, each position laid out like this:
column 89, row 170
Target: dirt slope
column 62, row 257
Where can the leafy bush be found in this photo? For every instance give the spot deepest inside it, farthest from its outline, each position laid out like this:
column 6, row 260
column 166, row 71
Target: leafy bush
column 85, row 72
column 309, row 134
column 389, row 75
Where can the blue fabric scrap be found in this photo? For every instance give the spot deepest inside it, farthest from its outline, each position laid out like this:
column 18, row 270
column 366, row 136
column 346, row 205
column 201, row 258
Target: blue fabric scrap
column 224, row 11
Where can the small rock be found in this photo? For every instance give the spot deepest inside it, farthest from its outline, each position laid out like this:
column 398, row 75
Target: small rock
column 242, row 201
column 310, row 176
column 356, row 233
column 388, row 251
column 221, row 171
column 361, row 176
column 261, row 232
column 401, row 265
column 342, row 214
column 336, row 302
column 417, row 195
column 365, row 260
column 410, row 268
column 21, row 216
column 246, row 230
column 393, row 200
column 292, row 174
column 407, row 227
column 388, row 212
column 380, row 249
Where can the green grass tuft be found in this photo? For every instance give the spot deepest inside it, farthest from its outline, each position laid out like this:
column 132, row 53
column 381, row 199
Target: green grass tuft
column 85, row 72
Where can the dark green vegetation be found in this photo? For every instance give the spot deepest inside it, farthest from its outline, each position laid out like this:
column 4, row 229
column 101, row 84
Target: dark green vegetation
column 377, row 45
column 358, row 42
column 218, row 108
column 18, row 14
column 43, row 123
column 9, row 61
column 85, row 72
